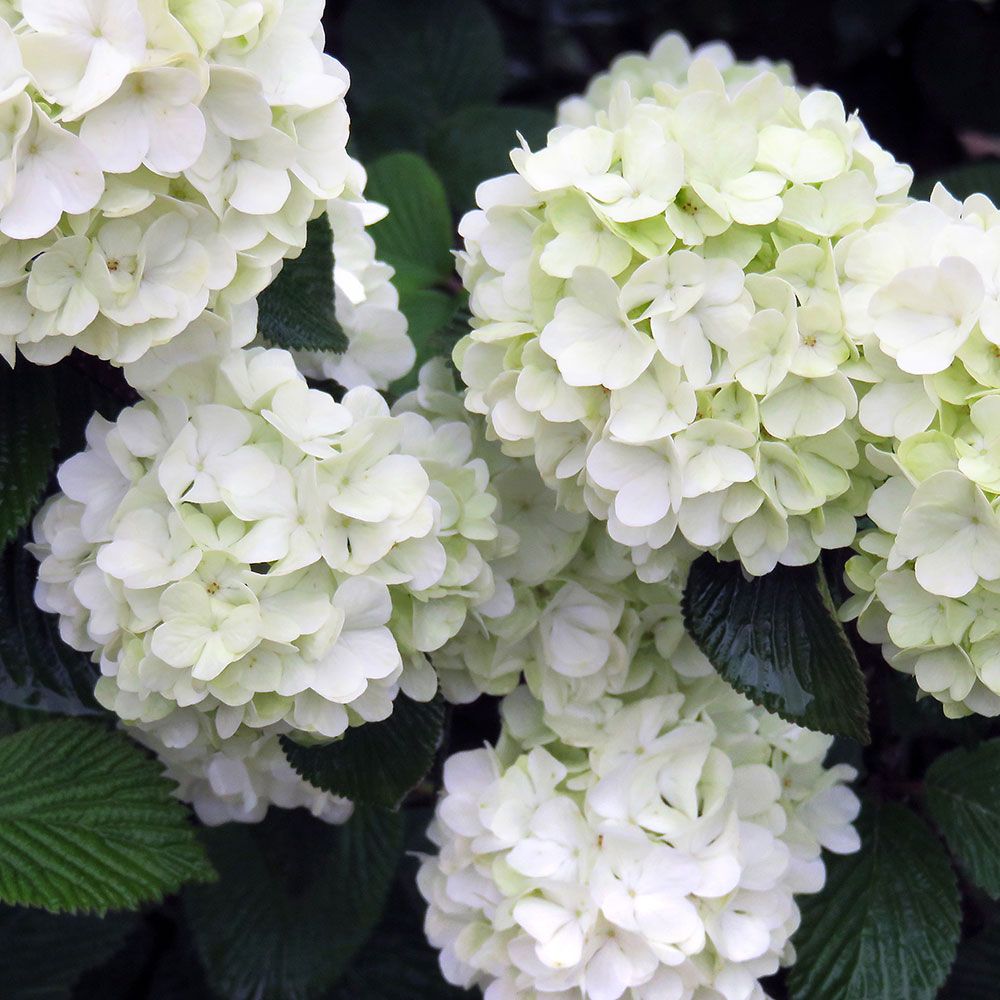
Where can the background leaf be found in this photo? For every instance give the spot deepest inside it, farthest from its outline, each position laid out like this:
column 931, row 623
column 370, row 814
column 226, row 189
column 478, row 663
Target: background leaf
column 298, row 310
column 777, row 639
column 37, row 669
column 474, row 144
column 379, row 762
column 976, row 971
column 397, row 963
column 963, row 795
column 429, row 58
column 42, row 956
column 974, row 178
column 88, row 822
column 29, row 430
column 886, row 924
column 295, row 901
column 416, row 236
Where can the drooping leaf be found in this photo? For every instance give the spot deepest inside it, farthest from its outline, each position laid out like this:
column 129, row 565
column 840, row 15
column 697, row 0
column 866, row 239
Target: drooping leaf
column 963, row 795
column 43, row 955
column 416, row 236
column 431, row 57
column 37, row 669
column 297, row 310
column 777, row 639
column 976, row 971
column 88, row 822
column 29, row 430
column 295, row 901
column 474, row 144
column 886, row 925
column 379, row 762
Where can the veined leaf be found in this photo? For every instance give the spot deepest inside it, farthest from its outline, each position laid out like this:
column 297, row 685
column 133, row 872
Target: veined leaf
column 88, row 822
column 776, row 638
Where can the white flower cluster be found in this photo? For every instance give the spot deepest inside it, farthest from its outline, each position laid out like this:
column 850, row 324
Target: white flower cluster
column 658, row 860
column 657, row 317
column 156, row 159
column 667, row 62
column 232, row 780
column 379, row 350
column 244, row 545
column 922, row 295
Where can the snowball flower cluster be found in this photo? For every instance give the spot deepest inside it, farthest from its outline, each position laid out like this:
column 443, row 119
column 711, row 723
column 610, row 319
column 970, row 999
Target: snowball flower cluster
column 922, row 295
column 232, row 780
column 379, row 350
column 157, row 159
column 244, row 545
column 658, row 861
column 657, row 317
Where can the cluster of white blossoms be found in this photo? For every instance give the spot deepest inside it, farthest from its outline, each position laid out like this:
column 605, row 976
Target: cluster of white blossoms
column 379, row 349
column 922, row 296
column 236, row 779
column 157, row 159
column 244, row 545
column 657, row 860
column 657, row 317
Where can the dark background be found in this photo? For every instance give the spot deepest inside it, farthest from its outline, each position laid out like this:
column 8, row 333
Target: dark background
column 924, row 74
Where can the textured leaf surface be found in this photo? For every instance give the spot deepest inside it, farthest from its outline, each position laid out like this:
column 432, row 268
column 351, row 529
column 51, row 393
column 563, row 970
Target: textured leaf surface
column 295, row 901
column 88, row 822
column 42, row 955
column 474, row 144
column 37, row 669
column 298, row 309
column 416, row 236
column 963, row 795
column 379, row 762
column 886, row 925
column 29, row 430
column 777, row 639
column 431, row 57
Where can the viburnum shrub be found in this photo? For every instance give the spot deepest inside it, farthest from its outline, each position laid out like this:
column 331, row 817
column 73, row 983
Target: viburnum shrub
column 475, row 552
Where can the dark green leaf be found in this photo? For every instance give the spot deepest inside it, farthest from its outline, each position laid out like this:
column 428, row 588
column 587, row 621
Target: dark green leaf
column 42, row 956
column 963, row 795
column 430, row 315
column 88, row 822
column 397, row 963
column 433, row 57
column 976, row 972
column 295, row 901
column 29, row 430
column 777, row 639
column 379, row 762
column 474, row 144
column 37, row 669
column 298, row 310
column 416, row 236
column 886, row 924
column 974, row 178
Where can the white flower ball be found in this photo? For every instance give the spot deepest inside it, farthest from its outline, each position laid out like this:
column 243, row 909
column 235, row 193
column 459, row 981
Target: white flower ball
column 234, row 780
column 379, row 349
column 658, row 861
column 158, row 159
column 657, row 318
column 242, row 544
column 922, row 297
